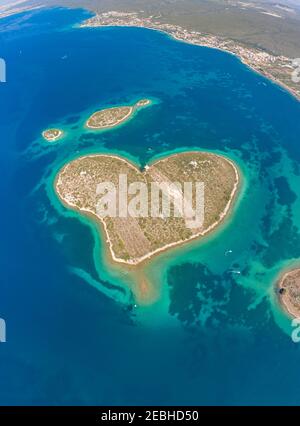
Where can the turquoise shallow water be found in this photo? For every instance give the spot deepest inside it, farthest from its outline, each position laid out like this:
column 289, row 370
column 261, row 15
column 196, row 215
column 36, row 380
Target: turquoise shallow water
column 213, row 336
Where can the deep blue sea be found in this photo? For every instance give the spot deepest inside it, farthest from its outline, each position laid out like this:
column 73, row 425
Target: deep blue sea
column 215, row 334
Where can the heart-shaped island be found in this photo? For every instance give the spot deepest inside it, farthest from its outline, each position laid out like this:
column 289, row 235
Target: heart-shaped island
column 171, row 201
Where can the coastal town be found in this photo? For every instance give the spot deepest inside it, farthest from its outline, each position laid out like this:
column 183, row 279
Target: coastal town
column 277, row 68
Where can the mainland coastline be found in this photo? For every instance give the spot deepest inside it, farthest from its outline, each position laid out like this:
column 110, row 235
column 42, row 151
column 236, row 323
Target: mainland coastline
column 275, row 68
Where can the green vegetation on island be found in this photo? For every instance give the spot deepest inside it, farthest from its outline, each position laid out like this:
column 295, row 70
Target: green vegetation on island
column 289, row 292
column 52, row 135
column 111, row 117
